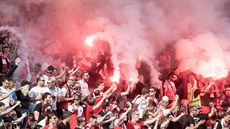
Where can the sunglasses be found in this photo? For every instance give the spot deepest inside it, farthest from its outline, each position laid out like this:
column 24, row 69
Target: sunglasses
column 151, row 91
column 42, row 80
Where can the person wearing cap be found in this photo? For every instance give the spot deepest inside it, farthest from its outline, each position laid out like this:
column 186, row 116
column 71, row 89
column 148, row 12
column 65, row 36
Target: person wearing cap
column 23, row 96
column 165, row 102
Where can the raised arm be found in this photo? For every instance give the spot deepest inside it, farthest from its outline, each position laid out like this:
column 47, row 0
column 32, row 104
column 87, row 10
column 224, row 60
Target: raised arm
column 74, row 72
column 62, row 73
column 100, row 102
column 135, row 99
column 11, row 108
column 127, row 91
column 212, row 110
column 175, row 119
column 148, row 122
column 126, row 112
column 6, row 95
column 205, row 90
column 175, row 102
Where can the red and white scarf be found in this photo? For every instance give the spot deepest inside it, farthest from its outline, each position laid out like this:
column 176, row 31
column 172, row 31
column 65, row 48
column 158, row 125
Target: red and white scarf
column 4, row 62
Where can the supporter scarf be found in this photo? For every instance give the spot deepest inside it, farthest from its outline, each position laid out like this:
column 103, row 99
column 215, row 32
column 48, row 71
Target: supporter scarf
column 4, row 63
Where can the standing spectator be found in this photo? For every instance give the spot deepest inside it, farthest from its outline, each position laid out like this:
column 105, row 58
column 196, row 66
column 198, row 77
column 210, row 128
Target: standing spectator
column 169, row 87
column 81, row 122
column 23, row 96
column 152, row 95
column 5, row 90
column 119, row 123
column 38, row 111
column 77, row 110
column 51, row 122
column 136, row 124
column 65, row 122
column 56, row 93
column 224, row 123
column 68, row 97
column 142, row 102
column 83, row 83
column 6, row 70
column 37, row 91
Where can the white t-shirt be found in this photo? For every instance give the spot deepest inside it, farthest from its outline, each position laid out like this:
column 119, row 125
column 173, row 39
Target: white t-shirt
column 84, row 87
column 35, row 92
column 166, row 112
column 56, row 92
column 142, row 105
column 7, row 100
column 79, row 110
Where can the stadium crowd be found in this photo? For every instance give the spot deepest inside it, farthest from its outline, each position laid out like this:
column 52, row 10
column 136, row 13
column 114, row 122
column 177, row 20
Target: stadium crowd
column 61, row 98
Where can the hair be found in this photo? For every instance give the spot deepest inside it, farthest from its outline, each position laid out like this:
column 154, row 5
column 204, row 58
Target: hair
column 5, row 79
column 226, row 113
column 153, row 88
column 144, row 91
column 105, row 104
column 83, row 74
column 96, row 92
column 66, row 114
column 99, row 83
column 4, row 49
column 39, row 78
column 90, row 100
column 46, row 105
column 80, row 120
column 49, row 116
column 183, row 108
column 45, row 95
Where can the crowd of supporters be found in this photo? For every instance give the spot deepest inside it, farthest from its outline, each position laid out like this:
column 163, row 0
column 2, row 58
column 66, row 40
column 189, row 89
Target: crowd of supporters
column 62, row 99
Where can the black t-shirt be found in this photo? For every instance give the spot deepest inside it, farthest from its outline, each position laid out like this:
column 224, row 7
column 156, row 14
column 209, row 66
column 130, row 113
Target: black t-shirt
column 183, row 122
column 25, row 100
column 105, row 126
column 63, row 126
column 201, row 117
column 174, row 125
column 38, row 108
column 190, row 120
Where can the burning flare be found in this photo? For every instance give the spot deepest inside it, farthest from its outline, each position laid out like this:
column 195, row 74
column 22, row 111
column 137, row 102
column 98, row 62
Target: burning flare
column 89, row 40
column 115, row 77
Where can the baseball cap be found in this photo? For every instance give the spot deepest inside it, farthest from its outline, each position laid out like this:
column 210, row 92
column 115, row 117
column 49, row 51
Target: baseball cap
column 165, row 98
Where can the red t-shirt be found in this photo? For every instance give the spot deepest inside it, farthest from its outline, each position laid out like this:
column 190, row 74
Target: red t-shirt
column 99, row 109
column 89, row 112
column 137, row 125
column 47, row 127
column 73, row 120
